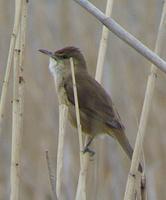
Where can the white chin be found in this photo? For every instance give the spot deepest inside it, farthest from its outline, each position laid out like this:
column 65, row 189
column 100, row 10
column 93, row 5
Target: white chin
column 52, row 65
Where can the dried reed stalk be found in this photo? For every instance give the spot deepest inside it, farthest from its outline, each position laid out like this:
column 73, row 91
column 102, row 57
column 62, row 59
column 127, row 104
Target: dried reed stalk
column 99, row 70
column 123, row 34
column 130, row 187
column 63, row 112
column 77, row 108
column 81, row 188
column 98, row 77
column 51, row 176
column 18, row 103
column 16, row 137
column 103, row 44
column 18, row 8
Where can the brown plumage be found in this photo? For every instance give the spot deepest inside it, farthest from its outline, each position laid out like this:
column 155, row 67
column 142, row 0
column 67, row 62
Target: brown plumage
column 97, row 113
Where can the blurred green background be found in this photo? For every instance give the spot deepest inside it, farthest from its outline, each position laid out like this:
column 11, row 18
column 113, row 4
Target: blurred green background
column 54, row 24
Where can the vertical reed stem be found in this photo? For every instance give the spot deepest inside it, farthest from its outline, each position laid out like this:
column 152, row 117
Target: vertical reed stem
column 81, row 188
column 18, row 103
column 130, row 187
column 18, row 7
column 63, row 111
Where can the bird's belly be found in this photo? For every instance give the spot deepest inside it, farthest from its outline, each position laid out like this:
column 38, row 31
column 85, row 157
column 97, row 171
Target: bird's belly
column 89, row 126
column 62, row 96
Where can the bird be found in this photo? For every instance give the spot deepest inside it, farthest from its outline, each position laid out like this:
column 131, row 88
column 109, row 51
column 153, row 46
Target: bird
column 97, row 111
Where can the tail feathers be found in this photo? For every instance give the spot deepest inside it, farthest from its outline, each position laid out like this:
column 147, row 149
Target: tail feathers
column 123, row 141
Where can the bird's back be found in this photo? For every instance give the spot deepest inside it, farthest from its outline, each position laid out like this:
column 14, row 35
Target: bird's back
column 95, row 105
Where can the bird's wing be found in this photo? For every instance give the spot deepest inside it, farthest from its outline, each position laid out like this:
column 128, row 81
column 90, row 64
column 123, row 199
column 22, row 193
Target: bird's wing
column 93, row 100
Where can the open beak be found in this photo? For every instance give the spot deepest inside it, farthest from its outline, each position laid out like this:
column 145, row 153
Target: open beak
column 48, row 53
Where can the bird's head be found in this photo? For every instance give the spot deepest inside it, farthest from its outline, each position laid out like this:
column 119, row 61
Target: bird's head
column 61, row 57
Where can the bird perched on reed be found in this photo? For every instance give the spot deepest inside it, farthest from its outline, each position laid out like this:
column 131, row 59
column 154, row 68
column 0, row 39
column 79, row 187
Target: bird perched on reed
column 97, row 113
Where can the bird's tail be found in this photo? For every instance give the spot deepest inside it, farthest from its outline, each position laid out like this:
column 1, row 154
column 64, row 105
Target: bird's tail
column 124, row 142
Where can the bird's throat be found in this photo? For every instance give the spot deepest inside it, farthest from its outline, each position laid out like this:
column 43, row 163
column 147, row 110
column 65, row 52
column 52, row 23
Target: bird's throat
column 52, row 66
column 57, row 69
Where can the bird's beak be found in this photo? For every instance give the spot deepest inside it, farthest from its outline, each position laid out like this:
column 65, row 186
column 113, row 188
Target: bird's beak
column 48, row 53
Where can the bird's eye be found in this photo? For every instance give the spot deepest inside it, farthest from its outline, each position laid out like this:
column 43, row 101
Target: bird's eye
column 64, row 57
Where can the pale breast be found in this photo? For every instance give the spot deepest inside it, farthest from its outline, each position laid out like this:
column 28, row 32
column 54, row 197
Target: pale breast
column 56, row 70
column 52, row 66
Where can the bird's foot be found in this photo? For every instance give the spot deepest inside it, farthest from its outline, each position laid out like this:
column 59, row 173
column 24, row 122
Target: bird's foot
column 87, row 150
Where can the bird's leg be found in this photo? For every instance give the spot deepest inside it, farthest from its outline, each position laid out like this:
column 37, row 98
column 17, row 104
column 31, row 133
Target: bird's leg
column 86, row 148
